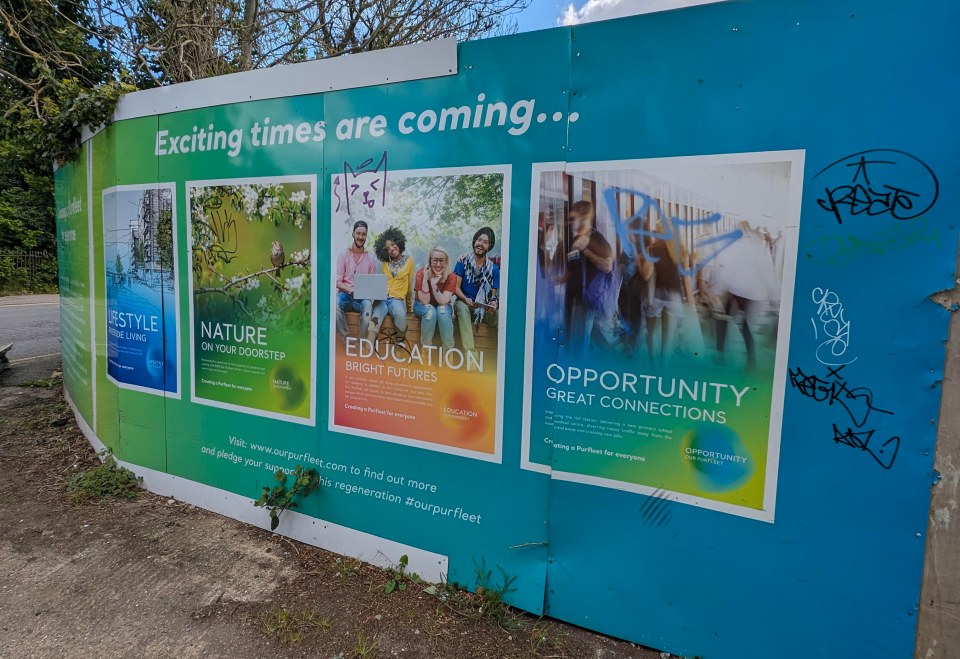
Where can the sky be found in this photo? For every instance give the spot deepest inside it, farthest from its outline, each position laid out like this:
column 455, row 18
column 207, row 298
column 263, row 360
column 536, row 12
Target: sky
column 542, row 14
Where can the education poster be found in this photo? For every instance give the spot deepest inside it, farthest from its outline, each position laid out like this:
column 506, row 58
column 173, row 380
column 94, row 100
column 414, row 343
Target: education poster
column 660, row 293
column 419, row 298
column 252, row 293
column 140, row 265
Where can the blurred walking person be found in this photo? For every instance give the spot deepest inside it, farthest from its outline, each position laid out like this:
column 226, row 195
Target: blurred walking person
column 745, row 281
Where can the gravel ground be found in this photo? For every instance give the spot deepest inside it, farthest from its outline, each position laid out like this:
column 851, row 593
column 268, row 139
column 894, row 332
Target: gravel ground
column 154, row 577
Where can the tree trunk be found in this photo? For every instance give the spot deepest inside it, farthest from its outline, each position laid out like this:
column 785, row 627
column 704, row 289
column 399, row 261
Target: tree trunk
column 250, row 9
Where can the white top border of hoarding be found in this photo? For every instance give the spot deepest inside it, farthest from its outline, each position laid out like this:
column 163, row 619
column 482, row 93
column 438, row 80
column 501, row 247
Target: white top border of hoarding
column 431, row 59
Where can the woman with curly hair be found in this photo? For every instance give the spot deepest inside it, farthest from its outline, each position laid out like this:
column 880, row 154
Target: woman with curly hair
column 398, row 267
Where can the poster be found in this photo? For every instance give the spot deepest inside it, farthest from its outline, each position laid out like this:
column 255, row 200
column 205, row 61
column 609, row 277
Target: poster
column 142, row 310
column 418, row 361
column 656, row 350
column 252, row 293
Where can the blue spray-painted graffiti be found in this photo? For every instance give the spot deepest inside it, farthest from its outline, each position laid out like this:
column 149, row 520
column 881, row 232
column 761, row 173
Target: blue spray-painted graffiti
column 671, row 229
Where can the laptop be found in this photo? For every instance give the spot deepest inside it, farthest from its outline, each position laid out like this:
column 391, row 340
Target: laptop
column 370, row 287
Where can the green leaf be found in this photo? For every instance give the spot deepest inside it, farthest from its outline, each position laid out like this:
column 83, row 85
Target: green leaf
column 390, row 586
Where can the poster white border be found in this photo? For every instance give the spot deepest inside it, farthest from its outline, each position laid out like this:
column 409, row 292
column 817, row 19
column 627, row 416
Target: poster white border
column 791, row 234
column 172, row 187
column 311, row 179
column 497, row 455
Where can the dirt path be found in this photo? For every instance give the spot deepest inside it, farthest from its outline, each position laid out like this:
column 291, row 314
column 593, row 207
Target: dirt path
column 158, row 578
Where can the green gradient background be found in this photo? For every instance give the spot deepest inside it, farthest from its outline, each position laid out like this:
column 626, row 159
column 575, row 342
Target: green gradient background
column 70, row 182
column 291, row 333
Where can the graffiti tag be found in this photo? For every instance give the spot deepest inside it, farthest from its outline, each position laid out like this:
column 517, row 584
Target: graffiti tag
column 828, row 322
column 878, row 182
column 365, row 184
column 707, row 248
column 857, row 403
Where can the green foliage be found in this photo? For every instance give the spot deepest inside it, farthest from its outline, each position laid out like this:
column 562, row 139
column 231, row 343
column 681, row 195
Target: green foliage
column 266, row 294
column 347, row 569
column 280, row 497
column 289, row 626
column 365, row 647
column 438, row 210
column 457, row 200
column 41, row 384
column 491, row 595
column 165, row 240
column 106, row 480
column 486, row 604
column 53, row 131
column 14, row 280
column 26, row 198
column 398, row 576
column 54, row 79
column 545, row 641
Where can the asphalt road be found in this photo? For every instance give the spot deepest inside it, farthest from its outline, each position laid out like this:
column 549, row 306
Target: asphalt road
column 32, row 324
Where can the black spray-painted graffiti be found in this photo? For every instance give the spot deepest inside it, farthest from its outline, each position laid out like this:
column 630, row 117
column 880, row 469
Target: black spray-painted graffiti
column 857, row 402
column 878, row 182
column 671, row 229
column 367, row 181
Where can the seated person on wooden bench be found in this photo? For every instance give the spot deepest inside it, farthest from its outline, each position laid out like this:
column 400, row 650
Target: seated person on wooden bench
column 354, row 260
column 433, row 297
column 398, row 267
column 478, row 281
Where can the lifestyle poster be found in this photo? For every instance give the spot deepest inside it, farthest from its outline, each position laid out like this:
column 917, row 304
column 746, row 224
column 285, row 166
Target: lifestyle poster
column 140, row 265
column 253, row 295
column 416, row 356
column 667, row 285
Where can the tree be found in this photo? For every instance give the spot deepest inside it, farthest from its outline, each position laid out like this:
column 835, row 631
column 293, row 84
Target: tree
column 53, row 78
column 165, row 242
column 167, row 41
column 64, row 64
column 53, row 81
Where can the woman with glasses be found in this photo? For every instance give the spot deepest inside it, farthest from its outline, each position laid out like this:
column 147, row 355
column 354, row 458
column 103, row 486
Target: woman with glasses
column 434, row 287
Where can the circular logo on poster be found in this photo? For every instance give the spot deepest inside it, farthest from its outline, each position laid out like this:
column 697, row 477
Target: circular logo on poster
column 154, row 362
column 462, row 414
column 288, row 386
column 717, row 454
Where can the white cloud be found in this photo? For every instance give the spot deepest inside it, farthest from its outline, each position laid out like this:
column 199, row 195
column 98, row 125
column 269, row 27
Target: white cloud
column 601, row 10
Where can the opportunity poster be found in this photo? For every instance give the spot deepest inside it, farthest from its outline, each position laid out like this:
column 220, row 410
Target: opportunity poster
column 659, row 293
column 417, row 362
column 140, row 265
column 252, row 291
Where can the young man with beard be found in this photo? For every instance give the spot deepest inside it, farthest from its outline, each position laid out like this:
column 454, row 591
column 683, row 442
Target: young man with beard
column 478, row 282
column 354, row 260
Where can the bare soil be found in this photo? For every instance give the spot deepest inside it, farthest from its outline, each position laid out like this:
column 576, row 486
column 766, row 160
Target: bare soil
column 158, row 578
